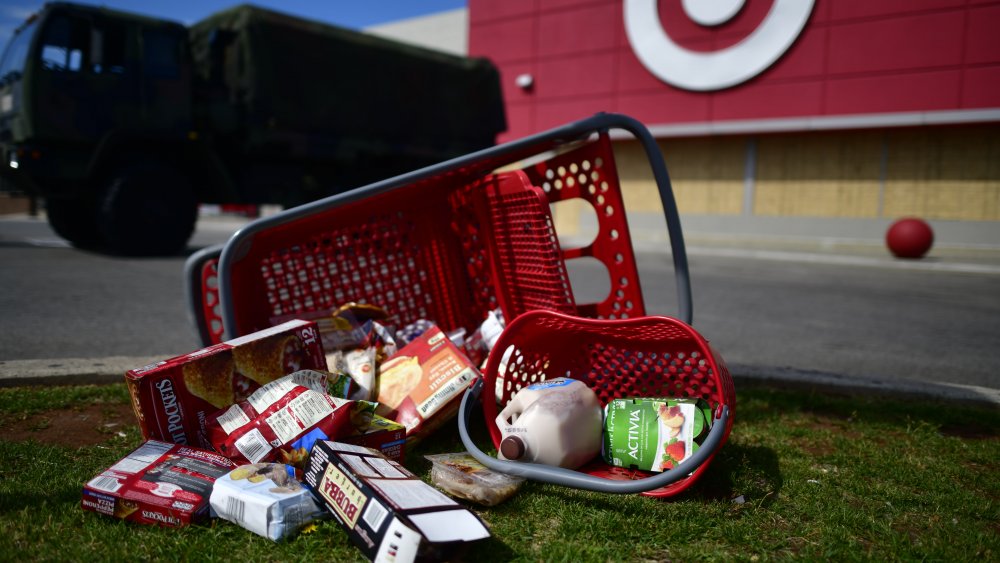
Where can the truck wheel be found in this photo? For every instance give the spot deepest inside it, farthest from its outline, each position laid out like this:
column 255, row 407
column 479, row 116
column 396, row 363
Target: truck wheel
column 75, row 220
column 147, row 209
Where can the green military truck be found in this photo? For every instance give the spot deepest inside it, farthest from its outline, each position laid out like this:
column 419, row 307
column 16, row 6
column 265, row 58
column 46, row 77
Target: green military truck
column 124, row 124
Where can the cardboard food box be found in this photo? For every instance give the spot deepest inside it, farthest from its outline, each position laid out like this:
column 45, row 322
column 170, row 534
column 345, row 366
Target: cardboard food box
column 421, row 386
column 172, row 398
column 389, row 513
column 158, row 483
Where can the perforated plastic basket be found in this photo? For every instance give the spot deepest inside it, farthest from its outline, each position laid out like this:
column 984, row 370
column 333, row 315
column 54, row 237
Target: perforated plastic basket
column 626, row 358
column 449, row 242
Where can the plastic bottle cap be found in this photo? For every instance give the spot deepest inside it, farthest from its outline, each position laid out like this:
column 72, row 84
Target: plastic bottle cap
column 512, row 447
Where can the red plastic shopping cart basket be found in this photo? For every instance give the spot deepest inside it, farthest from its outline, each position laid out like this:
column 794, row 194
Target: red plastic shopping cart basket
column 449, row 242
column 626, row 358
column 456, row 240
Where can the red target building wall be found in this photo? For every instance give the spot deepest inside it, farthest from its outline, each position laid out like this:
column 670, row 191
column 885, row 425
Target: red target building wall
column 870, row 110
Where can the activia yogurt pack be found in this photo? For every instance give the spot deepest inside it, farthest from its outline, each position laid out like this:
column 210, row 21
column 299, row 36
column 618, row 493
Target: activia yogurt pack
column 653, row 434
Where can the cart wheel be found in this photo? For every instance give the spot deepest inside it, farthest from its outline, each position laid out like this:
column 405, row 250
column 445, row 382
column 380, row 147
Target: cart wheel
column 75, row 220
column 147, row 209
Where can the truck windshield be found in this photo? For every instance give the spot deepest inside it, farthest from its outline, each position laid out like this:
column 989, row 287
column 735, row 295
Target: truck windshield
column 16, row 53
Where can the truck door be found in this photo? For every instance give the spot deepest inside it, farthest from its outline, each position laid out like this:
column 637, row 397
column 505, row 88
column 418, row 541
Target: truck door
column 86, row 86
column 166, row 81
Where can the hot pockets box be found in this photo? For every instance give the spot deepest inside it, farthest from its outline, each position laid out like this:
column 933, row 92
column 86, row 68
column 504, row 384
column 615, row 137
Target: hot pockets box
column 158, row 483
column 173, row 398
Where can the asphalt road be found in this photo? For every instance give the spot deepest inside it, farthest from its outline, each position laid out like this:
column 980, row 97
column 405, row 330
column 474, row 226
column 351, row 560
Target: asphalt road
column 763, row 311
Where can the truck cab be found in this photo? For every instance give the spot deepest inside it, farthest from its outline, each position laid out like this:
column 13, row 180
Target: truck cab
column 87, row 94
column 125, row 123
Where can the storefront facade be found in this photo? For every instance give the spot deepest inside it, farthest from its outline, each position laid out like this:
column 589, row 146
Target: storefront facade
column 771, row 109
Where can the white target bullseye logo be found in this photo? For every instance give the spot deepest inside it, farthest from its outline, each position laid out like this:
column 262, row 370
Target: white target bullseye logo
column 703, row 71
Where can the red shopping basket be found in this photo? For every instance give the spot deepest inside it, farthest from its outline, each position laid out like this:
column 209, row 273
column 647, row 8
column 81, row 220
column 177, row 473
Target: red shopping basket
column 624, row 358
column 449, row 242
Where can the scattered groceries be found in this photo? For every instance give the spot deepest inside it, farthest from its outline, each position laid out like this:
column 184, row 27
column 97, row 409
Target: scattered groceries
column 312, row 418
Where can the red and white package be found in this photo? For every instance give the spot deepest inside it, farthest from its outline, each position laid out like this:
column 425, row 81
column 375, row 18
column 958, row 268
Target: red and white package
column 172, row 398
column 278, row 416
column 158, row 483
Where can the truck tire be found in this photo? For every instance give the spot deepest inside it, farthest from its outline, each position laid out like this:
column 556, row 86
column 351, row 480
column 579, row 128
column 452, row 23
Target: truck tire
column 147, row 209
column 75, row 220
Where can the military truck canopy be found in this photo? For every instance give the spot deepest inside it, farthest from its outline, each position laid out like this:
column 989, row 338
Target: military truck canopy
column 311, row 88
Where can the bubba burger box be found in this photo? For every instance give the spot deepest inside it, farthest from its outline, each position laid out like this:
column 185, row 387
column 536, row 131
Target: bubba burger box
column 389, row 513
column 173, row 398
column 158, row 483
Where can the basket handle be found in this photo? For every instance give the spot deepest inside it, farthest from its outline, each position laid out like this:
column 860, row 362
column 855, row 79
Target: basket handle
column 575, row 479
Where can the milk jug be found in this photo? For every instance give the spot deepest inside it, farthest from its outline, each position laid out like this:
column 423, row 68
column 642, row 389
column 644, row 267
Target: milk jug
column 555, row 422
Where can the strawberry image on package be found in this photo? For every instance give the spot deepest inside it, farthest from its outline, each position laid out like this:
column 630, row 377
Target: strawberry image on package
column 173, row 398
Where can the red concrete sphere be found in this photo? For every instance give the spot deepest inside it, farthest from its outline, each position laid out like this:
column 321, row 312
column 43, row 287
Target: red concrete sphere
column 909, row 238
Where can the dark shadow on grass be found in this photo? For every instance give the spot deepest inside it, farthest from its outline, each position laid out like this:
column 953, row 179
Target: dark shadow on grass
column 492, row 549
column 738, row 474
column 69, row 496
column 750, row 472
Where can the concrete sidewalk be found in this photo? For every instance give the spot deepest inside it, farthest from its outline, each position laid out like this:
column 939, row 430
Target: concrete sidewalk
column 961, row 250
column 959, row 246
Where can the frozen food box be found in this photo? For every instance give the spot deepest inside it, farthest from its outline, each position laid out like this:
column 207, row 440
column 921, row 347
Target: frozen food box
column 172, row 398
column 388, row 512
column 158, row 483
column 421, row 386
column 654, row 434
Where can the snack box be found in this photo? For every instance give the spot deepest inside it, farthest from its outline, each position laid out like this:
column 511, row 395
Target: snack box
column 389, row 513
column 158, row 483
column 381, row 434
column 173, row 398
column 421, row 385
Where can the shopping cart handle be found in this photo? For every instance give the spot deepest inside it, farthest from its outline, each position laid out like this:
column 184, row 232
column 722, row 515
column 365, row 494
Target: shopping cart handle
column 576, row 479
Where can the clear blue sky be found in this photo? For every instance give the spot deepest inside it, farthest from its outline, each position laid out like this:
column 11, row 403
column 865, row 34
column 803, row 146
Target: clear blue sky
column 347, row 13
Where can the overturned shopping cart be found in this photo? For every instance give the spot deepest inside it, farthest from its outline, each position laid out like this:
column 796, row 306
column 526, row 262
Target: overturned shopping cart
column 456, row 240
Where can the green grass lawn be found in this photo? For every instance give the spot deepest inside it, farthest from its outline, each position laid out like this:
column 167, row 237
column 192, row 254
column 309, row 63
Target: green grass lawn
column 803, row 476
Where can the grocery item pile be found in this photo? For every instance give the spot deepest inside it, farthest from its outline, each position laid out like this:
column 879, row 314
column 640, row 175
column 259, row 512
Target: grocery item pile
column 312, row 418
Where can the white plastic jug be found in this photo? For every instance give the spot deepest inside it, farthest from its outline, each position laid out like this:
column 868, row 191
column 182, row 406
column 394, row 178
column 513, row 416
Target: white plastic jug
column 555, row 422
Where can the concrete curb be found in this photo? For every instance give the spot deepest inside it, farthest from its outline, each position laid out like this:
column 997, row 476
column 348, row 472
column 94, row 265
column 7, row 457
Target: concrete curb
column 69, row 371
column 82, row 371
column 816, row 381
